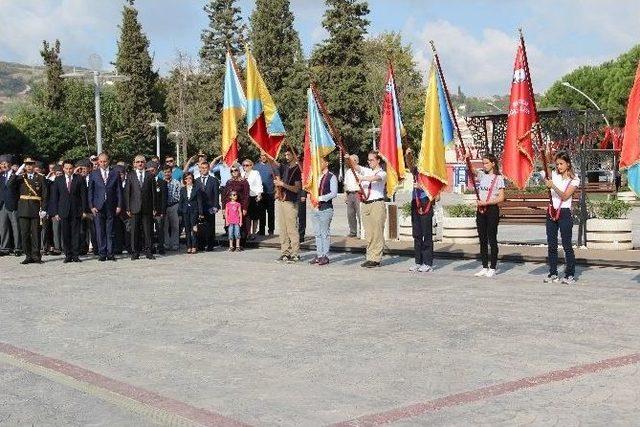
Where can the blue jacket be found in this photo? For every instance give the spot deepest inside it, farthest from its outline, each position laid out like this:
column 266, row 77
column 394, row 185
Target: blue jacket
column 8, row 193
column 107, row 195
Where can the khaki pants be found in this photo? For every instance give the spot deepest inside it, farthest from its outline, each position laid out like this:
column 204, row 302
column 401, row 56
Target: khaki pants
column 374, row 216
column 287, row 217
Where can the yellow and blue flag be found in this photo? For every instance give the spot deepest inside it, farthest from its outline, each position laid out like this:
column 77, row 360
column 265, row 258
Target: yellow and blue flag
column 234, row 108
column 318, row 143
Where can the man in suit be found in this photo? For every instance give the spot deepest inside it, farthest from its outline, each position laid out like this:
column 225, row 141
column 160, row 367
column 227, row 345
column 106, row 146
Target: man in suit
column 140, row 203
column 33, row 195
column 9, row 229
column 88, row 229
column 161, row 206
column 105, row 202
column 67, row 205
column 209, row 188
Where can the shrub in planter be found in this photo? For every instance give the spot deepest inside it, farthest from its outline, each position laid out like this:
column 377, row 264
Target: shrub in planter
column 460, row 211
column 405, row 210
column 609, row 227
column 459, row 224
column 609, row 209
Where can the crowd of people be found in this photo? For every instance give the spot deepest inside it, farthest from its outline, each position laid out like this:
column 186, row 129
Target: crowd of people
column 92, row 205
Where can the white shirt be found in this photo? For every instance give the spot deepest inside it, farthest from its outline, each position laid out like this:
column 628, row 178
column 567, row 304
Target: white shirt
column 377, row 187
column 563, row 184
column 255, row 183
column 350, row 183
column 189, row 192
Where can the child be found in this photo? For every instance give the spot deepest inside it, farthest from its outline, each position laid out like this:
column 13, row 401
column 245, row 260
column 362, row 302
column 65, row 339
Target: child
column 233, row 219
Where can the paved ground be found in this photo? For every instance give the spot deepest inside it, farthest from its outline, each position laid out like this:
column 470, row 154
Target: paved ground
column 221, row 338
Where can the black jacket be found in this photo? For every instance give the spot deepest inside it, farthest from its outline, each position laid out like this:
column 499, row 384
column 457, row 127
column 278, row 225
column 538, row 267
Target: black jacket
column 192, row 207
column 162, row 191
column 210, row 193
column 140, row 199
column 28, row 208
column 68, row 204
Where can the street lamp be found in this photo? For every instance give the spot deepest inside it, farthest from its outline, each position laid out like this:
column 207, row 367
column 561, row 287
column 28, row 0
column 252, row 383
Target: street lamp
column 176, row 134
column 373, row 131
column 157, row 124
column 86, row 137
column 99, row 79
column 569, row 85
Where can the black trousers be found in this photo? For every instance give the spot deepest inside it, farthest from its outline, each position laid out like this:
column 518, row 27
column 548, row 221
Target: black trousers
column 207, row 239
column 141, row 232
column 70, row 228
column 422, row 231
column 47, row 233
column 30, row 233
column 302, row 219
column 565, row 225
column 159, row 222
column 267, row 210
column 88, row 235
column 487, row 224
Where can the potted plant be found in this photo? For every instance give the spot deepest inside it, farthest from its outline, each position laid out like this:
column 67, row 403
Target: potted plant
column 609, row 227
column 626, row 195
column 459, row 224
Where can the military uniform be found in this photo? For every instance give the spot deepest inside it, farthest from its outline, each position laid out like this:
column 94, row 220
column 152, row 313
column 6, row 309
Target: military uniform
column 33, row 195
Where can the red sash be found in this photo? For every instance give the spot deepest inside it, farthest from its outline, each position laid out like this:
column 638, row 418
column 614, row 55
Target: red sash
column 483, row 209
column 554, row 213
column 364, row 194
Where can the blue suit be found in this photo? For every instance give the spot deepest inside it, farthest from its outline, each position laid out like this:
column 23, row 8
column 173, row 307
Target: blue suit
column 105, row 197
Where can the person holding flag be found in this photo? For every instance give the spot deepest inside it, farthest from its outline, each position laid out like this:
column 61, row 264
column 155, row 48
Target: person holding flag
column 391, row 133
column 320, row 184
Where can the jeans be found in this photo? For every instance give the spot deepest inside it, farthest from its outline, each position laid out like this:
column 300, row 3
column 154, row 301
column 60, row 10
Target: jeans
column 565, row 224
column 233, row 231
column 422, row 231
column 487, row 224
column 322, row 226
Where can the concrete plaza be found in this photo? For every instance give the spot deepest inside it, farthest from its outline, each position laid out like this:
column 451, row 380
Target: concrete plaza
column 236, row 338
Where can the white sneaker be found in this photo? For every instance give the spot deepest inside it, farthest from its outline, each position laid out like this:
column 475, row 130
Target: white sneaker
column 491, row 272
column 482, row 273
column 569, row 280
column 551, row 279
column 414, row 268
column 424, row 268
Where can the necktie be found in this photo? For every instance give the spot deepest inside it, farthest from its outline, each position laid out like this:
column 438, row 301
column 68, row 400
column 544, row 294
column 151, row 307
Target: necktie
column 204, row 181
column 104, row 175
column 69, row 184
column 140, row 178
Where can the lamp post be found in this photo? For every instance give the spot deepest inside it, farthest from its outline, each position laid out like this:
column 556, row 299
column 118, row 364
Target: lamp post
column 157, row 124
column 373, row 131
column 176, row 134
column 570, row 86
column 99, row 79
column 86, row 137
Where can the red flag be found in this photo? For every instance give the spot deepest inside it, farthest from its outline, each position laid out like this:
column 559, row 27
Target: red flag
column 630, row 154
column 518, row 156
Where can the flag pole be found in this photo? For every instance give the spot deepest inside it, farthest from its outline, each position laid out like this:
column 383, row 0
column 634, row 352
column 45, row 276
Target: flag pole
column 455, row 119
column 538, row 132
column 334, row 132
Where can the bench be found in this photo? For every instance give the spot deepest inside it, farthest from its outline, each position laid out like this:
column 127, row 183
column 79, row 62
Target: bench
column 526, row 208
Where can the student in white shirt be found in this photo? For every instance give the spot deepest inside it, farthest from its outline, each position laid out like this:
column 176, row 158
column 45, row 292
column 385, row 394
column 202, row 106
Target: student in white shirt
column 255, row 196
column 352, row 197
column 563, row 184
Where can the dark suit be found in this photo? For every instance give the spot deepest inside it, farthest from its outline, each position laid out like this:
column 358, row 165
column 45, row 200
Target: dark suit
column 190, row 208
column 105, row 197
column 162, row 190
column 33, row 195
column 69, row 203
column 140, row 202
column 8, row 215
column 210, row 201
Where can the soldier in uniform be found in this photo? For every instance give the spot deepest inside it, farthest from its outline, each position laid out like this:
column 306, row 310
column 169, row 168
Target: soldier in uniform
column 33, row 194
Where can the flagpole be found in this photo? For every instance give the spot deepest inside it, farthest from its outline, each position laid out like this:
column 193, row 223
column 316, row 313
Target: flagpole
column 334, row 132
column 543, row 151
column 455, row 119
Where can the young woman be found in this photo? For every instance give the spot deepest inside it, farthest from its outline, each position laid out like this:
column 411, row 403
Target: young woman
column 191, row 210
column 421, row 221
column 491, row 191
column 563, row 184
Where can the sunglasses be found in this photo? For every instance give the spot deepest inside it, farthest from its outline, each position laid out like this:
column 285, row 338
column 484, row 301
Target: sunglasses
column 234, row 170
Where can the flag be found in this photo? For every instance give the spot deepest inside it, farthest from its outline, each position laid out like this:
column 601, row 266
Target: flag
column 518, row 156
column 318, row 143
column 437, row 133
column 630, row 155
column 234, row 108
column 263, row 121
column 391, row 133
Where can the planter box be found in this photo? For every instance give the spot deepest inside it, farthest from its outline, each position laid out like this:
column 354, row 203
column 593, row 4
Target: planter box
column 627, row 196
column 406, row 232
column 459, row 230
column 612, row 234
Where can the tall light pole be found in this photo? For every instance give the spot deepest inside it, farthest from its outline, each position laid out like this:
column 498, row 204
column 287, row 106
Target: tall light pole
column 176, row 134
column 99, row 79
column 86, row 137
column 374, row 130
column 570, row 86
column 157, row 124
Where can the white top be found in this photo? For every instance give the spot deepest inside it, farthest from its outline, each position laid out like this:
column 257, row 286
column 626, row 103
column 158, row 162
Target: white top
column 333, row 189
column 562, row 184
column 377, row 187
column 350, row 183
column 255, row 182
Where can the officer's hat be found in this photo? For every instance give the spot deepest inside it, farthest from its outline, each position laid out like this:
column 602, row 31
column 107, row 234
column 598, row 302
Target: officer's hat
column 28, row 161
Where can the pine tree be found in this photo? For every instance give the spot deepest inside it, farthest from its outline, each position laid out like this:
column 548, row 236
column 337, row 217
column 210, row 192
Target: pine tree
column 276, row 46
column 54, row 89
column 136, row 96
column 225, row 31
column 338, row 65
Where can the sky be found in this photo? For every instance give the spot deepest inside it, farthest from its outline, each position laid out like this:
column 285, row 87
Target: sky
column 476, row 39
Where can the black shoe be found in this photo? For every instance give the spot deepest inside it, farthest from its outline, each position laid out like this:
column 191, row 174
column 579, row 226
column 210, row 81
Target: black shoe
column 150, row 256
column 17, row 253
column 37, row 261
column 102, row 258
column 4, row 253
column 135, row 257
column 55, row 253
column 162, row 252
column 111, row 258
column 372, row 264
column 210, row 249
column 76, row 259
column 66, row 260
column 27, row 261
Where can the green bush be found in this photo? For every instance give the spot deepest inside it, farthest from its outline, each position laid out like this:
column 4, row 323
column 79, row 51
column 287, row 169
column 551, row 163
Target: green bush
column 609, row 209
column 405, row 209
column 460, row 211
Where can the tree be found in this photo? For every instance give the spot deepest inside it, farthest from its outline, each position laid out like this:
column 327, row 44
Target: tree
column 338, row 64
column 225, row 31
column 276, row 46
column 136, row 96
column 54, row 89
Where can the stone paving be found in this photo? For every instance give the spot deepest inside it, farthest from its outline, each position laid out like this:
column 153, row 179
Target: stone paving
column 263, row 343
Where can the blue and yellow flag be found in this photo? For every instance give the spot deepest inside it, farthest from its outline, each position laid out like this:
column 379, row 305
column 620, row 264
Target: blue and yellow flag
column 318, row 143
column 437, row 133
column 233, row 109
